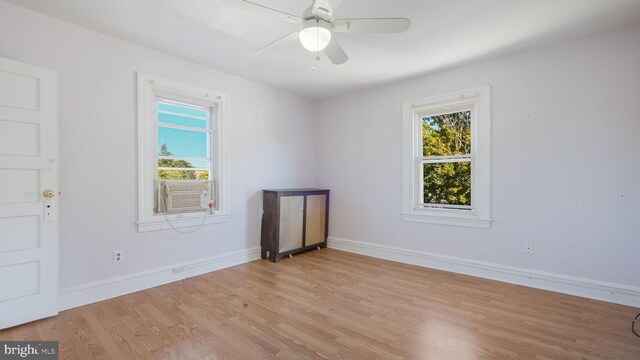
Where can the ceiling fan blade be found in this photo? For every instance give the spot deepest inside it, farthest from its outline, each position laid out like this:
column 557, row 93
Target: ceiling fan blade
column 274, row 45
column 335, row 53
column 381, row 25
column 261, row 9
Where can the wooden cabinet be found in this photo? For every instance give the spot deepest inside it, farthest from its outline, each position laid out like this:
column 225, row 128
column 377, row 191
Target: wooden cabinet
column 294, row 220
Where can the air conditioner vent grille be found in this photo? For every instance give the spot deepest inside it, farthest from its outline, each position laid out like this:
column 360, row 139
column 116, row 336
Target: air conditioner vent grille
column 176, row 196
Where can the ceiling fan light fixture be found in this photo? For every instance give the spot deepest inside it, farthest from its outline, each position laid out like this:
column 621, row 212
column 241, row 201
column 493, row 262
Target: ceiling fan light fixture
column 315, row 35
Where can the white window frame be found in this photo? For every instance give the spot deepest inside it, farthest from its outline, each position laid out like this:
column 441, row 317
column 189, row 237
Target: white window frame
column 478, row 100
column 149, row 89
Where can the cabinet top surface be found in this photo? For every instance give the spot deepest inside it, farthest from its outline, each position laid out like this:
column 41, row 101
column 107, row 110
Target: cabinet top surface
column 295, row 190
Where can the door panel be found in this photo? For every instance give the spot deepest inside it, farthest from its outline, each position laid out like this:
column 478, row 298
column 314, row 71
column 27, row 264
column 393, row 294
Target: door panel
column 291, row 220
column 19, row 185
column 18, row 90
column 316, row 211
column 19, row 233
column 21, row 280
column 28, row 166
column 19, row 138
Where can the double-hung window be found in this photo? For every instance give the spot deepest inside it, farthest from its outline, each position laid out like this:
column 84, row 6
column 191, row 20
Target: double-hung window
column 185, row 133
column 181, row 155
column 446, row 160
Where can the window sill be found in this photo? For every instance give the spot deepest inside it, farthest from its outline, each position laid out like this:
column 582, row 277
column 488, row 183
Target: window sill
column 160, row 222
column 447, row 217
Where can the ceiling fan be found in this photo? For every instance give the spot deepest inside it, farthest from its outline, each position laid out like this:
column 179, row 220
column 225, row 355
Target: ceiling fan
column 317, row 27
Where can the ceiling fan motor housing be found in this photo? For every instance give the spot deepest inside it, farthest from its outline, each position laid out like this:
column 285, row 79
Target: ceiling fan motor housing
column 320, row 10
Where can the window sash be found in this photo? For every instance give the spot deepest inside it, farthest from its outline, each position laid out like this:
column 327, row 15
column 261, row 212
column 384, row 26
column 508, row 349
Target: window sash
column 208, row 131
column 421, row 160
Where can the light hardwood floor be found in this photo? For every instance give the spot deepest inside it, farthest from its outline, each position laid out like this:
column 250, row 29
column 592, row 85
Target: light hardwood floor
column 332, row 304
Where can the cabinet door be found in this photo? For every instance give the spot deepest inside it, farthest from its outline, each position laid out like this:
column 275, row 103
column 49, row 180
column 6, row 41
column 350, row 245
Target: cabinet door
column 316, row 219
column 291, row 221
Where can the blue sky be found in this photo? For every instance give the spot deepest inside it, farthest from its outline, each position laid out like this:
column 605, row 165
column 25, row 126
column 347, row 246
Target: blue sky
column 180, row 142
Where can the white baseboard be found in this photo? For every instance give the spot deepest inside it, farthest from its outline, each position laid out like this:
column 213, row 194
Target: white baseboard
column 122, row 285
column 592, row 289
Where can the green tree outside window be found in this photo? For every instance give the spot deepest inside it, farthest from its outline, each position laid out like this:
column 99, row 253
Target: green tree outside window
column 164, row 174
column 447, row 135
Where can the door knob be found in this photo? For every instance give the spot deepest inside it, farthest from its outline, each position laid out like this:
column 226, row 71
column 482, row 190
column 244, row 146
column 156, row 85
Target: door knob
column 48, row 193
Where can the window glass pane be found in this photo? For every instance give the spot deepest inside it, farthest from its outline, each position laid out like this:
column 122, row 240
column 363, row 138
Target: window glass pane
column 182, row 143
column 447, row 183
column 182, row 121
column 175, row 108
column 446, row 134
column 183, row 175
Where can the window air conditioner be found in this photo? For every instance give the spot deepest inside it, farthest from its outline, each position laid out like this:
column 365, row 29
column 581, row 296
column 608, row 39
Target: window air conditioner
column 177, row 196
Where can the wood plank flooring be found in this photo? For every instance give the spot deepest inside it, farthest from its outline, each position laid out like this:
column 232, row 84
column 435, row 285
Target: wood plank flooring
column 332, row 304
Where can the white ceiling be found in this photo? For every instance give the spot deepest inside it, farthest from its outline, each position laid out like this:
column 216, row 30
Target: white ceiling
column 443, row 33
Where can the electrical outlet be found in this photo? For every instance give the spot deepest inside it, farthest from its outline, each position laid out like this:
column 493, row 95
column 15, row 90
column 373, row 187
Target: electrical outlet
column 118, row 256
column 529, row 248
column 177, row 270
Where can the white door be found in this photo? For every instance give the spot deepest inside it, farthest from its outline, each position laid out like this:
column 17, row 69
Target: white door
column 28, row 210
